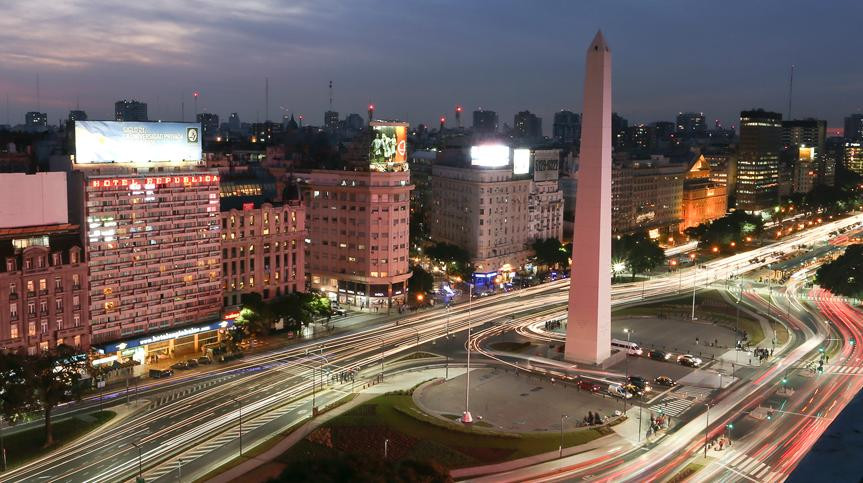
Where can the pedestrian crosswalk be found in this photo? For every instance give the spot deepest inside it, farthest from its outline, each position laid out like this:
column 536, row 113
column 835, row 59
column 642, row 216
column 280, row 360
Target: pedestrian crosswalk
column 169, row 397
column 841, row 369
column 753, row 468
column 671, row 406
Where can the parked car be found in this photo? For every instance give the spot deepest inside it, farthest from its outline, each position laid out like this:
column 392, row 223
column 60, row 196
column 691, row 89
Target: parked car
column 339, row 311
column 617, row 390
column 659, row 355
column 191, row 363
column 182, row 365
column 665, row 381
column 689, row 360
column 160, row 373
column 586, row 385
column 205, row 360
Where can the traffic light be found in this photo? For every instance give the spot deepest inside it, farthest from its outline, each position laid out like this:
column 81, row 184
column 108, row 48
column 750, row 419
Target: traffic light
column 729, row 426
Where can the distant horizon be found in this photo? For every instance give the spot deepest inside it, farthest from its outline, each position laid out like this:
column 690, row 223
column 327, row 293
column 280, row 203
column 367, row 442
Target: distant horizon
column 418, row 63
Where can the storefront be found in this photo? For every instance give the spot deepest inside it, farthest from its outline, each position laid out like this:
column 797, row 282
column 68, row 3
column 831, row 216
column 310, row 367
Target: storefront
column 151, row 348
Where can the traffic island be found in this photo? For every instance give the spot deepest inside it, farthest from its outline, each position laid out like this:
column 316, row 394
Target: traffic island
column 28, row 444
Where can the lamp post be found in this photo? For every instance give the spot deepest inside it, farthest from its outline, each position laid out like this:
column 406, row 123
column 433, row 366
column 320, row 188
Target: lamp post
column 386, row 447
column 628, row 333
column 706, row 426
column 466, row 417
column 737, row 324
column 562, row 418
column 694, row 276
column 240, row 409
column 138, row 447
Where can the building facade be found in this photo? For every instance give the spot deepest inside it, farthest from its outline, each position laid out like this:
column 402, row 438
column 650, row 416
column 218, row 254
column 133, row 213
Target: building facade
column 358, row 225
column 704, row 200
column 262, row 251
column 647, row 195
column 545, row 200
column 758, row 160
column 130, row 110
column 486, row 212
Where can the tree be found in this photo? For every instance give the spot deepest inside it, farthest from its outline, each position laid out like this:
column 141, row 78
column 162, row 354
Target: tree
column 55, row 375
column 421, row 281
column 843, row 276
column 638, row 251
column 733, row 227
column 16, row 393
column 456, row 259
column 550, row 252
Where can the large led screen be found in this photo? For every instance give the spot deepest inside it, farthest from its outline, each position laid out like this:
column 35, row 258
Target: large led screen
column 136, row 142
column 489, row 155
column 388, row 151
column 520, row 161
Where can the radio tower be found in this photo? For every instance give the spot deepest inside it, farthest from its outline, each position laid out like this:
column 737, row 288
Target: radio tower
column 371, row 112
column 442, row 123
column 458, row 116
column 790, row 90
column 331, row 95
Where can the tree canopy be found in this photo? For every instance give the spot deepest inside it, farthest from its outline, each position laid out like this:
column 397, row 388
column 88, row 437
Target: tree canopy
column 733, row 227
column 638, row 251
column 421, row 281
column 456, row 259
column 550, row 252
column 843, row 276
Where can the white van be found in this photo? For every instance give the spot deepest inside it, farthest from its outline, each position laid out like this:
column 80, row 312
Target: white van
column 631, row 348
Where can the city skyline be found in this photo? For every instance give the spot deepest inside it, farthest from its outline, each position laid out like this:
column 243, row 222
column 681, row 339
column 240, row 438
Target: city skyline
column 430, row 62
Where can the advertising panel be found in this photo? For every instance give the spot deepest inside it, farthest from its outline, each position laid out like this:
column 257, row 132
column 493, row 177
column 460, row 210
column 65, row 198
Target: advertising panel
column 388, row 151
column 489, row 155
column 807, row 153
column 520, row 161
column 137, row 142
column 546, row 169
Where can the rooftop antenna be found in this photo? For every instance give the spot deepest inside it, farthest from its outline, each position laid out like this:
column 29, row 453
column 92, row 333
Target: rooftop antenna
column 790, row 90
column 38, row 102
column 458, row 110
column 331, row 95
column 195, row 95
column 266, row 99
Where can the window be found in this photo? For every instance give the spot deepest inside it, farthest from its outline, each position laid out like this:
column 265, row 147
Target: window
column 58, row 285
column 31, row 288
column 43, row 327
column 31, row 329
column 76, row 282
column 10, row 265
column 43, row 307
column 59, row 323
column 31, row 308
column 13, row 287
column 58, row 305
column 76, row 320
column 13, row 311
column 43, row 286
column 13, row 331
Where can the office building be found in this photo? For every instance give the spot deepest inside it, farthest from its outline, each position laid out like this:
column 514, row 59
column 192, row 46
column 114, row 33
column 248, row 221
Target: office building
column 647, row 195
column 758, row 160
column 567, row 127
column 545, row 199
column 618, row 130
column 34, row 119
column 209, row 124
column 43, row 273
column 853, row 156
column 331, row 120
column 803, row 147
column 130, row 110
column 854, row 127
column 358, row 221
column 527, row 125
column 234, row 125
column 77, row 115
column 691, row 125
column 484, row 122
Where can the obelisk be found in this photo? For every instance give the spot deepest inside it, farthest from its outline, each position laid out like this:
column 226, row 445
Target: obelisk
column 588, row 330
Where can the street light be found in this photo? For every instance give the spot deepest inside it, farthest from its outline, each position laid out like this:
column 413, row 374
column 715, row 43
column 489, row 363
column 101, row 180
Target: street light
column 706, row 426
column 729, row 427
column 138, row 447
column 694, row 275
column 466, row 417
column 240, row 409
column 628, row 333
column 562, row 418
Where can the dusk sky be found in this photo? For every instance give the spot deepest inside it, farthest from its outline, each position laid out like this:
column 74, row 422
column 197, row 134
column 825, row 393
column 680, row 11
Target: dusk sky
column 416, row 60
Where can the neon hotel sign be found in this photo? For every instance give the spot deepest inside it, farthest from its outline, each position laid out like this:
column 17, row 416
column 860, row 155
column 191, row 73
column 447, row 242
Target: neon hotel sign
column 160, row 180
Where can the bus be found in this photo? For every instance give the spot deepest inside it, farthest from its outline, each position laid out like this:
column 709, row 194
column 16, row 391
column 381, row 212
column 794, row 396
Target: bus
column 631, row 348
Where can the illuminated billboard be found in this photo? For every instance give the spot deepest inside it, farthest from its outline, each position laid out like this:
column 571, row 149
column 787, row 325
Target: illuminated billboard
column 807, row 154
column 520, row 161
column 489, row 155
column 137, row 142
column 388, row 150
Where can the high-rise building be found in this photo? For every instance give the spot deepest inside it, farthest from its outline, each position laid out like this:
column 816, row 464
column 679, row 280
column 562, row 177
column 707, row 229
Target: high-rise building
column 758, row 159
column 355, row 122
column 484, row 122
column 567, row 127
column 358, row 221
column 234, row 123
column 130, row 110
column 527, row 125
column 854, row 127
column 331, row 120
column 803, row 146
column 480, row 205
column 262, row 250
column 691, row 124
column 545, row 199
column 209, row 124
column 36, row 119
column 618, row 130
column 77, row 115
column 640, row 137
column 43, row 273
column 151, row 238
column 664, row 134
column 853, row 156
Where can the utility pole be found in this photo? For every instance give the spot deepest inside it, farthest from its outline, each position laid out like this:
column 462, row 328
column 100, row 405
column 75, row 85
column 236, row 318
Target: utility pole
column 694, row 276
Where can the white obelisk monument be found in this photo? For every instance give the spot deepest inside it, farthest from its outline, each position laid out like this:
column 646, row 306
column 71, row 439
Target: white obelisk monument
column 588, row 330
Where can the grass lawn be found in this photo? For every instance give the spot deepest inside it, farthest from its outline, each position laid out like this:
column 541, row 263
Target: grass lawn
column 686, row 472
column 415, row 435
column 27, row 445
